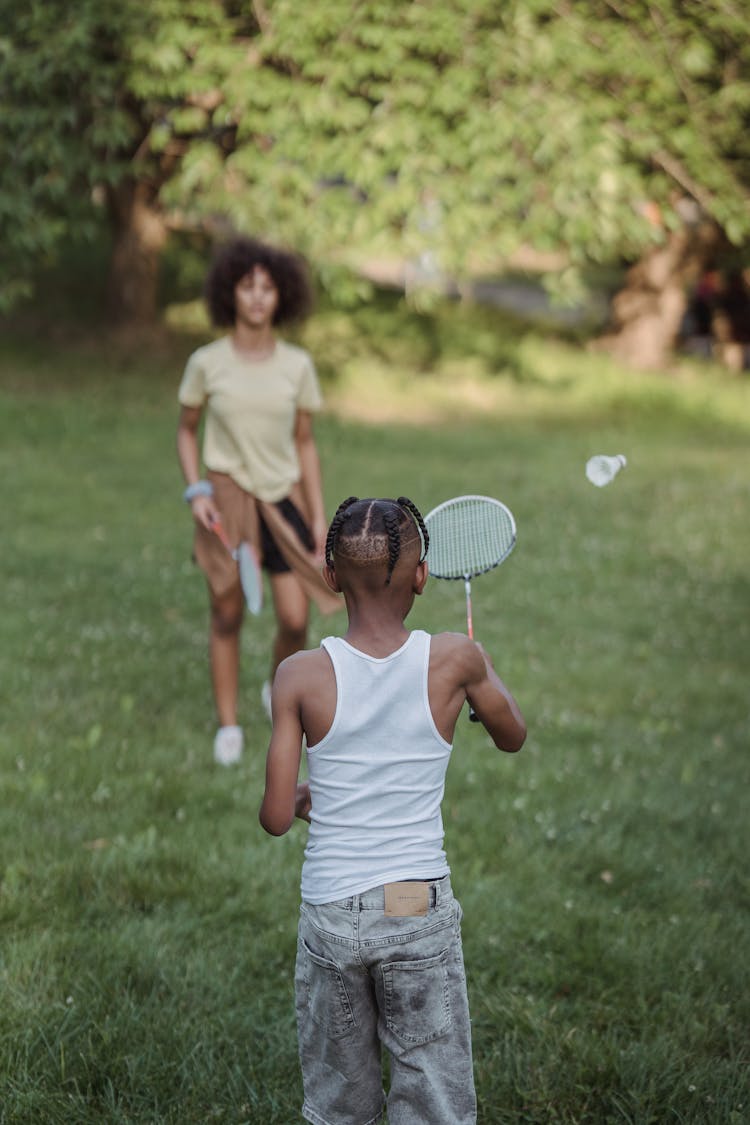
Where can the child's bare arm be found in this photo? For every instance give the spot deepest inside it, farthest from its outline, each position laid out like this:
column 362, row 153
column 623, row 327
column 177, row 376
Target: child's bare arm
column 282, row 800
column 494, row 704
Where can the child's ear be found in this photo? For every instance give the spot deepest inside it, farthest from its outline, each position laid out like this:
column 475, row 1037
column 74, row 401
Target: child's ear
column 329, row 575
column 420, row 577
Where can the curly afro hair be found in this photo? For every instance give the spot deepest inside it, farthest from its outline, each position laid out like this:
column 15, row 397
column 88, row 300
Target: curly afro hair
column 236, row 259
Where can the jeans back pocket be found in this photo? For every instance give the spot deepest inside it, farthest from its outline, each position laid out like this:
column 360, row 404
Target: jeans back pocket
column 417, row 1004
column 327, row 997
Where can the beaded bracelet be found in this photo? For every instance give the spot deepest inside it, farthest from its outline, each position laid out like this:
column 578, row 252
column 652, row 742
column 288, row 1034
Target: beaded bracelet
column 200, row 488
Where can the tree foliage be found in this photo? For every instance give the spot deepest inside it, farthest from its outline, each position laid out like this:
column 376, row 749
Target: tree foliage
column 467, row 127
column 558, row 125
column 96, row 98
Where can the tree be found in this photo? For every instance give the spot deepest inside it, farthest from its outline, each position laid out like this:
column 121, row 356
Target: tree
column 463, row 129
column 604, row 131
column 99, row 104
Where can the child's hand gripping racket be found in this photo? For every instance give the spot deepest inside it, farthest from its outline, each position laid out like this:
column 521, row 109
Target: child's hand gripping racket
column 469, row 535
column 246, row 558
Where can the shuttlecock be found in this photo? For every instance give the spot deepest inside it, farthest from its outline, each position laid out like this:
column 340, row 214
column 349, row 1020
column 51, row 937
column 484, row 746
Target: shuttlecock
column 601, row 469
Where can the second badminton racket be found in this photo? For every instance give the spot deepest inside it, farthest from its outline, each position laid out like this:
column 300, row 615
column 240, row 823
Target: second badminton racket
column 246, row 558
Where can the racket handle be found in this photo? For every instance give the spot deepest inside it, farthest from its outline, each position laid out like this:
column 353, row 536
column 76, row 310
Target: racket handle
column 473, row 717
column 218, row 529
column 469, row 615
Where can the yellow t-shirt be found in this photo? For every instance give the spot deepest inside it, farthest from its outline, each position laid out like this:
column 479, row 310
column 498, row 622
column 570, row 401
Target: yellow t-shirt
column 251, row 408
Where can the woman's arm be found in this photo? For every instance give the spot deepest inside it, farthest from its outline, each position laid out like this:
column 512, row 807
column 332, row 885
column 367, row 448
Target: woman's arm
column 188, row 454
column 311, row 479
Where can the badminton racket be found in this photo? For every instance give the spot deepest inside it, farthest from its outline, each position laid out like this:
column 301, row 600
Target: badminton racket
column 469, row 536
column 246, row 558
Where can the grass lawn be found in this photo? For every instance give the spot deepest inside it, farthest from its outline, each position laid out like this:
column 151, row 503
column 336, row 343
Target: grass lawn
column 147, row 924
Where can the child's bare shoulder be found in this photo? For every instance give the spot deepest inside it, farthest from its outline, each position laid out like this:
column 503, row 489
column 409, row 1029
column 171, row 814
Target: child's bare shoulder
column 451, row 642
column 301, row 669
column 456, row 649
column 303, row 662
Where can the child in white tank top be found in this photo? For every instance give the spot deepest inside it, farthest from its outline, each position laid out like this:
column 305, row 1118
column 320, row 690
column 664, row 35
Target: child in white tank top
column 379, row 958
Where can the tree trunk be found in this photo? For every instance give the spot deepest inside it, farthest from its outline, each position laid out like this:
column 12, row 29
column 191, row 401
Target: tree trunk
column 648, row 310
column 139, row 237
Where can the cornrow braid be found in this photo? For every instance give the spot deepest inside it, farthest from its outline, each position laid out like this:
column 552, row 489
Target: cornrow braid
column 366, row 531
column 340, row 515
column 391, row 521
column 411, row 507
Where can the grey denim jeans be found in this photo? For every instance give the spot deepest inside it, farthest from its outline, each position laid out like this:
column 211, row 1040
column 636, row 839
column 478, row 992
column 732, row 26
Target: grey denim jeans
column 365, row 981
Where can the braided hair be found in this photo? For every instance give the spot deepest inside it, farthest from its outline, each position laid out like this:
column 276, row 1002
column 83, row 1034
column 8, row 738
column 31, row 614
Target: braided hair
column 364, row 531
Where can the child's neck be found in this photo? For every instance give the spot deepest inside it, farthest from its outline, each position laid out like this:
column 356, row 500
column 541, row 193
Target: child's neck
column 375, row 632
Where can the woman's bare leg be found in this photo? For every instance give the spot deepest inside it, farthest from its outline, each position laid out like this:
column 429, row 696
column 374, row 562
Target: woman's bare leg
column 292, row 613
column 224, row 648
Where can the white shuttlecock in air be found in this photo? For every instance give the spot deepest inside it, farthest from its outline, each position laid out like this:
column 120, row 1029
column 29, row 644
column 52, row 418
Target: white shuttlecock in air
column 601, row 469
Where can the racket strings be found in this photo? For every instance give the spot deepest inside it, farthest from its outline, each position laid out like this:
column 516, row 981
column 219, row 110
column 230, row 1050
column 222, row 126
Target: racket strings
column 469, row 537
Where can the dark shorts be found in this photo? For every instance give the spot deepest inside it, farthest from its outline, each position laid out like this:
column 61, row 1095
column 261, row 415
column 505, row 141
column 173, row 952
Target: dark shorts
column 242, row 521
column 273, row 560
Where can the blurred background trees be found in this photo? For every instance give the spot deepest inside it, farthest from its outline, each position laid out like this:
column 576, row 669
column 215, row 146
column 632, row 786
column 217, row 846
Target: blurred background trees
column 102, row 105
column 471, row 135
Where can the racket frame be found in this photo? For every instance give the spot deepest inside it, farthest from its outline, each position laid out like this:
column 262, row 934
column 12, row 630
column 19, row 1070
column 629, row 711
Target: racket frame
column 472, row 572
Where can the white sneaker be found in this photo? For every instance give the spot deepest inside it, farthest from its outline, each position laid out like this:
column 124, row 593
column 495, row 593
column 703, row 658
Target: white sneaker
column 265, row 698
column 228, row 745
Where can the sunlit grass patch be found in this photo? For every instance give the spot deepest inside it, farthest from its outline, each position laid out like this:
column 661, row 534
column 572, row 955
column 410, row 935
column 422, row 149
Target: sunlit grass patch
column 148, row 925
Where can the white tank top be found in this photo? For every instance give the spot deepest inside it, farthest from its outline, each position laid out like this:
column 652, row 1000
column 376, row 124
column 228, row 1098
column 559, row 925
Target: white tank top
column 377, row 778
